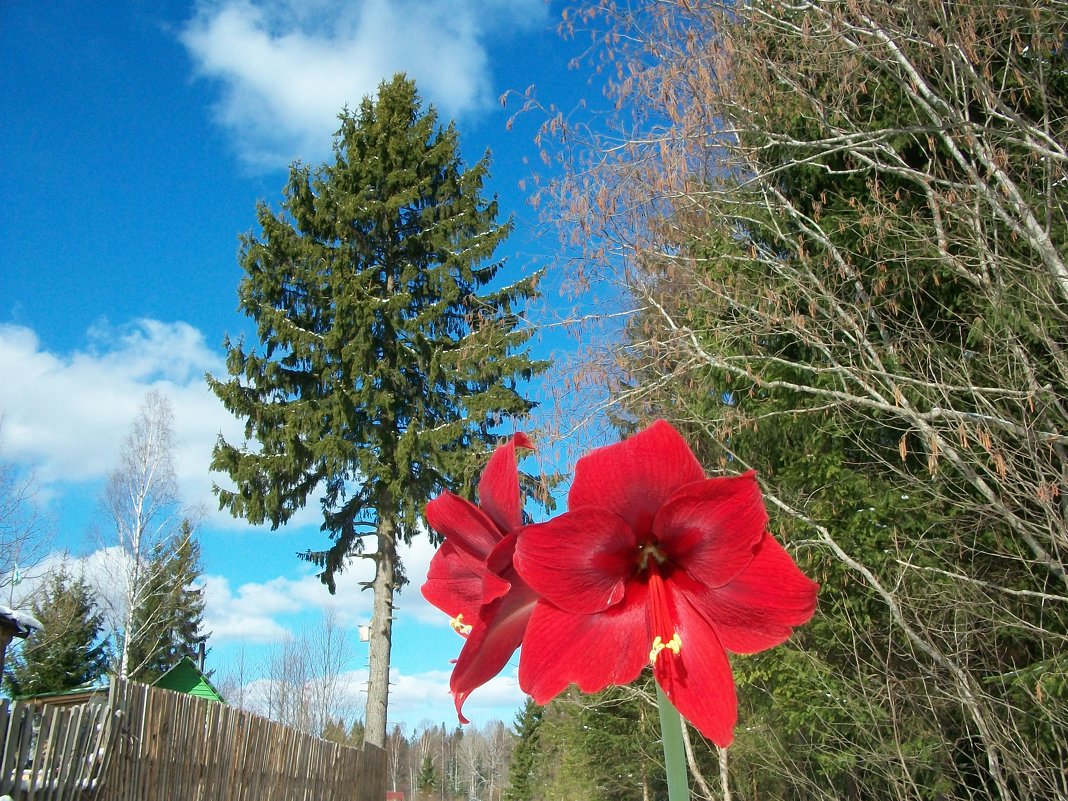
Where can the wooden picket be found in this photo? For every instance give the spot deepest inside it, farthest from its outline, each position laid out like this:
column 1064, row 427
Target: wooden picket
column 154, row 744
column 52, row 754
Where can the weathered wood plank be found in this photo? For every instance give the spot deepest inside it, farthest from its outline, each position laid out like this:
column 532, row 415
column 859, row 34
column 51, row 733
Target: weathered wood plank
column 150, row 744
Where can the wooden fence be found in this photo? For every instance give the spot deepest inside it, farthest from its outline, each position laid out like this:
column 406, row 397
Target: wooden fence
column 51, row 753
column 152, row 744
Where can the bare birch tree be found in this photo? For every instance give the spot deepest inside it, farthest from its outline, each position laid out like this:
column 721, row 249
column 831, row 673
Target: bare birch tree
column 234, row 678
column 141, row 499
column 284, row 691
column 473, row 762
column 307, row 678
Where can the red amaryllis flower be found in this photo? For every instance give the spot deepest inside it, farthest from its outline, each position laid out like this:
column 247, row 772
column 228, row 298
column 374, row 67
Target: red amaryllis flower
column 471, row 577
column 653, row 562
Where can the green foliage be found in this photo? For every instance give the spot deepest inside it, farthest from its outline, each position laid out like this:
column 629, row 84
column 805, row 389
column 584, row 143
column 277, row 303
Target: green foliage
column 428, row 780
column 167, row 624
column 604, row 747
column 525, row 756
column 389, row 352
column 858, row 289
column 68, row 652
column 336, row 732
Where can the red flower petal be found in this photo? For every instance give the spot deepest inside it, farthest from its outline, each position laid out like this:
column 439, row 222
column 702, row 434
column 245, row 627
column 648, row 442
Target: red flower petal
column 492, row 641
column 712, row 528
column 698, row 680
column 760, row 607
column 592, row 651
column 579, row 561
column 634, row 478
column 500, row 574
column 463, row 524
column 499, row 560
column 498, row 489
column 454, row 583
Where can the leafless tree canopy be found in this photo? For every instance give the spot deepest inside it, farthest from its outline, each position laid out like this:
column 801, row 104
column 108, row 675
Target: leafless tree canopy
column 141, row 500
column 434, row 763
column 307, row 680
column 24, row 531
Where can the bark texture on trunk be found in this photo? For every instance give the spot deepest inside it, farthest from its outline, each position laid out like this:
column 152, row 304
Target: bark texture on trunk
column 381, row 636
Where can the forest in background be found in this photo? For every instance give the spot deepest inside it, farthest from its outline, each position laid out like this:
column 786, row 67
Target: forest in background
column 838, row 231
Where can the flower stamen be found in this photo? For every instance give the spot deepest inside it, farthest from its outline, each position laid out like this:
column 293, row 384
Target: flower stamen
column 674, row 645
column 458, row 625
column 666, row 636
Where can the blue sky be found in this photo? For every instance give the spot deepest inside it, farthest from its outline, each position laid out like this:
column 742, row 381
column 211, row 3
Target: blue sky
column 137, row 138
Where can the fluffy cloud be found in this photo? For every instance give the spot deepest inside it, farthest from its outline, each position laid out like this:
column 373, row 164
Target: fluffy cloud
column 425, row 696
column 285, row 68
column 263, row 612
column 250, row 612
column 67, row 414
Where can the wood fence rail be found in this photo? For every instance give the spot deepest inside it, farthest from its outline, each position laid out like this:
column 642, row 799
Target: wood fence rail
column 151, row 744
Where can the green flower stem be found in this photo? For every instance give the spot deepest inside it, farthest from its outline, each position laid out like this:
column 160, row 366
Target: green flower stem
column 674, row 751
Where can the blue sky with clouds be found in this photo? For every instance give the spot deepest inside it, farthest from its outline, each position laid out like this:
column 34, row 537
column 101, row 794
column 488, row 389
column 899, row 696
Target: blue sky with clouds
column 137, row 138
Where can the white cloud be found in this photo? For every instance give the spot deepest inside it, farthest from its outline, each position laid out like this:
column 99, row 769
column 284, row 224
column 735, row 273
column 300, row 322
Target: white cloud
column 420, row 696
column 104, row 570
column 262, row 612
column 285, row 68
column 67, row 414
column 410, row 602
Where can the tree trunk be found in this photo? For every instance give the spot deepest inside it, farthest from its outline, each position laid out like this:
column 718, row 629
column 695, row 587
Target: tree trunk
column 133, row 591
column 381, row 633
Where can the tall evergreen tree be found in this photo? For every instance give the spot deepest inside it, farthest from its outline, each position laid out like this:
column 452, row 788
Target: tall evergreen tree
column 68, row 652
column 525, row 755
column 167, row 625
column 383, row 371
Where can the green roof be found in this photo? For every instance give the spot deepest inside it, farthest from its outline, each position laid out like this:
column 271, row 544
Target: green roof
column 186, row 677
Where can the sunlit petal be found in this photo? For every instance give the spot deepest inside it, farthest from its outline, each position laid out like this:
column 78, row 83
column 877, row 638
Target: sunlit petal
column 454, row 583
column 493, row 639
column 634, row 478
column 463, row 524
column 698, row 680
column 498, row 489
column 761, row 606
column 592, row 651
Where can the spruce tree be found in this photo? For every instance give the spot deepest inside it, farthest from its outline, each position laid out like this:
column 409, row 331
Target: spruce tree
column 167, row 624
column 68, row 652
column 526, row 755
column 387, row 359
column 428, row 780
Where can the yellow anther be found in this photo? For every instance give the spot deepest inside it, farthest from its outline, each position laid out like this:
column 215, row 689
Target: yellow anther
column 674, row 645
column 459, row 626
